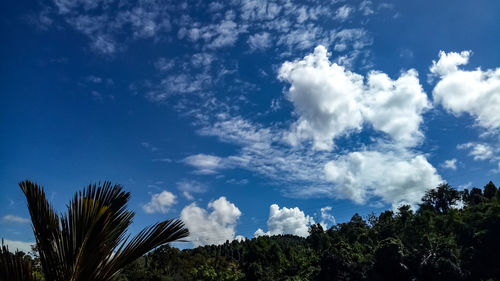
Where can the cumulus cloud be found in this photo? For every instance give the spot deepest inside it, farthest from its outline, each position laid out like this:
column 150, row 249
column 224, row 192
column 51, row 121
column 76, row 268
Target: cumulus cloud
column 450, row 164
column 395, row 177
column 211, row 228
column 204, row 163
column 395, row 107
column 286, row 221
column 325, row 98
column 480, row 151
column 160, row 202
column 475, row 92
column 15, row 219
column 331, row 101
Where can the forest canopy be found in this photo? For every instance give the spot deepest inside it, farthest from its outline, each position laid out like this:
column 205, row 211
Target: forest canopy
column 454, row 235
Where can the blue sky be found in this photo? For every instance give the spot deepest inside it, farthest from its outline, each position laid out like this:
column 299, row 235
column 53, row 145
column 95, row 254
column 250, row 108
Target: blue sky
column 248, row 117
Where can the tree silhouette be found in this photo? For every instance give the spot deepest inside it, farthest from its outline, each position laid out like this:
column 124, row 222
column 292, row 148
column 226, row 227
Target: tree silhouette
column 89, row 241
column 441, row 199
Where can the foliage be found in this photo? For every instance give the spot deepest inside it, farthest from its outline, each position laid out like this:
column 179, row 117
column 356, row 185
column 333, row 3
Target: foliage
column 88, row 242
column 437, row 242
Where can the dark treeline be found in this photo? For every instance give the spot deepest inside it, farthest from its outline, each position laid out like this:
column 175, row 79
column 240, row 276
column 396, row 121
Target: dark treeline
column 437, row 242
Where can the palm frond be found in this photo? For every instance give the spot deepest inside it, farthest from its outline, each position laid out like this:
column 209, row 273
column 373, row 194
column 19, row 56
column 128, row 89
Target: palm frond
column 88, row 242
column 95, row 225
column 148, row 239
column 46, row 229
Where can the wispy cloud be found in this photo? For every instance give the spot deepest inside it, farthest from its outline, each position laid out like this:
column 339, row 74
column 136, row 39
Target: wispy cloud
column 15, row 219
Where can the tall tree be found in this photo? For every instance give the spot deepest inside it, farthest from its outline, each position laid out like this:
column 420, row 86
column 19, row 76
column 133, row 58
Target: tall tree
column 441, row 199
column 489, row 190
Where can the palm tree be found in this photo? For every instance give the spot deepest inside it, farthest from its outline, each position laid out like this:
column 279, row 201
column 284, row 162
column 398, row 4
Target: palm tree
column 89, row 242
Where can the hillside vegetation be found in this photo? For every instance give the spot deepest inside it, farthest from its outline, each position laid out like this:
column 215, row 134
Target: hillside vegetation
column 437, row 242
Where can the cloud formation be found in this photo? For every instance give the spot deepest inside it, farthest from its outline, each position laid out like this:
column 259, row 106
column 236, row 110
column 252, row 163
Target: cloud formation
column 286, row 221
column 15, row 219
column 331, row 101
column 160, row 202
column 204, row 163
column 326, row 217
column 450, row 164
column 394, row 177
column 475, row 92
column 211, row 228
column 480, row 151
column 190, row 187
column 19, row 245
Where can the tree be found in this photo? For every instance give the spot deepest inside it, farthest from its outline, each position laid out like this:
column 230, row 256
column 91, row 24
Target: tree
column 88, row 242
column 489, row 190
column 389, row 261
column 441, row 199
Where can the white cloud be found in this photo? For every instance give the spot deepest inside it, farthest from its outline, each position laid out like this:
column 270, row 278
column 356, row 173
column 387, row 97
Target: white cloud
column 215, row 35
column 325, row 98
column 15, row 219
column 102, row 24
column 240, row 238
column 259, row 10
column 480, row 151
column 188, row 187
column 178, row 84
column 19, row 245
column 145, row 20
column 104, row 44
column 343, row 13
column 205, row 164
column 326, row 217
column 202, row 59
column 389, row 172
column 211, row 228
column 259, row 41
column 366, row 7
column 331, row 101
column 395, row 107
column 149, row 146
column 449, row 62
column 396, row 177
column 450, row 164
column 353, row 38
column 304, row 37
column 475, row 92
column 160, row 202
column 163, row 64
column 286, row 221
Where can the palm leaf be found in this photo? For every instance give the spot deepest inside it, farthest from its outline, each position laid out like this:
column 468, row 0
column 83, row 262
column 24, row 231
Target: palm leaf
column 46, row 229
column 148, row 239
column 88, row 242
